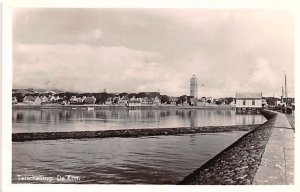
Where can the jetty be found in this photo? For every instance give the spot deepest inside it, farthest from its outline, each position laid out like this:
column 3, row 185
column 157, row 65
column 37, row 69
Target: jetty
column 264, row 156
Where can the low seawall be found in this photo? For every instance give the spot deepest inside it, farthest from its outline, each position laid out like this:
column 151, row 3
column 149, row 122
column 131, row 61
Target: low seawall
column 20, row 137
column 238, row 163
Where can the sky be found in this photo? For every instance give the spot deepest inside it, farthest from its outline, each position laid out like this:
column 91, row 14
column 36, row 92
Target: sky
column 136, row 50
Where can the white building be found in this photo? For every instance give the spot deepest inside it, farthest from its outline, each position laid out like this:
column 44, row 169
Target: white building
column 44, row 99
column 248, row 100
column 73, row 100
column 14, row 100
column 134, row 103
column 37, row 100
column 123, row 101
column 28, row 100
column 156, row 101
column 193, row 87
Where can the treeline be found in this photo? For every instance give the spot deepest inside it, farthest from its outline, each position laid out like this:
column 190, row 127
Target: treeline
column 103, row 97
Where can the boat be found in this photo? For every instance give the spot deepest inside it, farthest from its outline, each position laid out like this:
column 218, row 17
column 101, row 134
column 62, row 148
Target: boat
column 51, row 107
column 90, row 108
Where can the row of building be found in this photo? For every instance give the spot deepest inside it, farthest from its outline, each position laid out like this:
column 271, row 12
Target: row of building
column 39, row 100
column 241, row 100
column 250, row 100
column 77, row 100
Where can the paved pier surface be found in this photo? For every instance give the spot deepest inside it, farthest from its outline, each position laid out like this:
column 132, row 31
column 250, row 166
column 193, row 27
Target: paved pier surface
column 277, row 163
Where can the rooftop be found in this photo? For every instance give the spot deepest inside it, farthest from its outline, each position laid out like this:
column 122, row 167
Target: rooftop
column 249, row 95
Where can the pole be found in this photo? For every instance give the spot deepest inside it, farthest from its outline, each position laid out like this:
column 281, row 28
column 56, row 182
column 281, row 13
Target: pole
column 282, row 94
column 285, row 84
column 285, row 94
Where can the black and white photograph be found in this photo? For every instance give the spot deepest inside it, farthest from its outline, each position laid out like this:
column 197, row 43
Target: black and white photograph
column 152, row 96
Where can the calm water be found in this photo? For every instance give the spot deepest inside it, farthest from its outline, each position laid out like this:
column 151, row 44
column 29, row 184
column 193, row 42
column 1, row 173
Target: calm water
column 143, row 160
column 83, row 120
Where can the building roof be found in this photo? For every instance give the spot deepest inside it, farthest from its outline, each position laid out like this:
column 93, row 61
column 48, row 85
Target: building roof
column 249, row 95
column 174, row 98
column 134, row 101
column 28, row 98
column 125, row 98
column 37, row 97
column 90, row 100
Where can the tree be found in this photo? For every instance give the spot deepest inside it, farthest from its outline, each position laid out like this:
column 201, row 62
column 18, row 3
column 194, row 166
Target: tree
column 141, row 95
column 115, row 101
column 130, row 95
column 218, row 102
column 221, row 100
column 68, row 95
column 102, row 97
column 85, row 94
column 228, row 100
column 18, row 96
column 123, row 94
column 271, row 100
column 208, row 101
column 182, row 98
column 165, row 99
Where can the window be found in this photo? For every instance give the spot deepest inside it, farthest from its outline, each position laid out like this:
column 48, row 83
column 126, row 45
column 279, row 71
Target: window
column 244, row 102
column 253, row 102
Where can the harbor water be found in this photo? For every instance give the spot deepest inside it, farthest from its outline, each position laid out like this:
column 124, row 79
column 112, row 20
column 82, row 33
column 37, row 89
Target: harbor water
column 142, row 160
column 83, row 120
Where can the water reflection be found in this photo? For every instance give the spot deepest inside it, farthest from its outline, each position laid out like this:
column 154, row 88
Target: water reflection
column 79, row 120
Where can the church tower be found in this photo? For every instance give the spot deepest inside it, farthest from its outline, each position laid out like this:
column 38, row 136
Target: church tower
column 194, row 87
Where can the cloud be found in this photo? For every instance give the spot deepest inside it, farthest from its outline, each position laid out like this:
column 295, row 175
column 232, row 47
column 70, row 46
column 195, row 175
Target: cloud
column 83, row 68
column 97, row 33
column 150, row 49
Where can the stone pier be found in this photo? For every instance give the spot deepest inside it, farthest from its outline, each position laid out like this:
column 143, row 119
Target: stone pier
column 265, row 155
column 277, row 163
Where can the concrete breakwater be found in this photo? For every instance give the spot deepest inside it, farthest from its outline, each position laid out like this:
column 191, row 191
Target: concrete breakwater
column 20, row 137
column 277, row 163
column 238, row 163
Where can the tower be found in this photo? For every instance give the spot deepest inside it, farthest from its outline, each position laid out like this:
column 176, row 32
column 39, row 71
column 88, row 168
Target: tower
column 193, row 87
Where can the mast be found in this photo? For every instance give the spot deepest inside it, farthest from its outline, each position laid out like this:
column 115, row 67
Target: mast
column 285, row 84
column 282, row 94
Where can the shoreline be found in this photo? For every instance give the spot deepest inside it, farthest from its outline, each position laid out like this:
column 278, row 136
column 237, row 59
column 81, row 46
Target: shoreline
column 97, row 107
column 21, row 137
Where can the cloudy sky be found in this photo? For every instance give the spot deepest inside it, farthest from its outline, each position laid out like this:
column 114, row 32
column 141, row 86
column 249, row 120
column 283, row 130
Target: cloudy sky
column 136, row 50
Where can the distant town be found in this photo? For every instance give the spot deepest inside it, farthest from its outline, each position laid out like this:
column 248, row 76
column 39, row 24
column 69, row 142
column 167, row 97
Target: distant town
column 33, row 96
column 37, row 97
